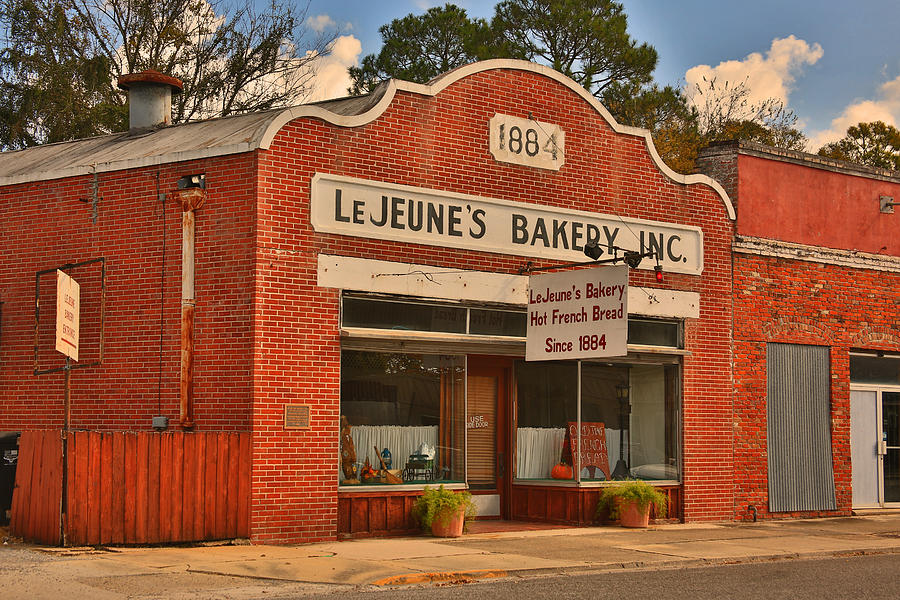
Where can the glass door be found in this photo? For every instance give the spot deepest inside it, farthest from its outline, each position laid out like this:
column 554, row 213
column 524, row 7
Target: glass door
column 875, row 447
column 864, row 449
column 890, row 447
column 486, row 456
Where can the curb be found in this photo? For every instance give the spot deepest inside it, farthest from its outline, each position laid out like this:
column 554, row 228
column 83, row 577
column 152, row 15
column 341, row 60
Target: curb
column 688, row 563
column 447, row 576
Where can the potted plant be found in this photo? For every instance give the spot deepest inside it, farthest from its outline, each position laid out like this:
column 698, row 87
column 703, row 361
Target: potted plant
column 443, row 511
column 629, row 501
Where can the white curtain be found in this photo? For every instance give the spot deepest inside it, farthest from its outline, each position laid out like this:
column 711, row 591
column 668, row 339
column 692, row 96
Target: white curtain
column 539, row 448
column 401, row 441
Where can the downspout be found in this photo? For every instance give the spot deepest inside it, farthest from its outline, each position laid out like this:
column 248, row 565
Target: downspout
column 191, row 200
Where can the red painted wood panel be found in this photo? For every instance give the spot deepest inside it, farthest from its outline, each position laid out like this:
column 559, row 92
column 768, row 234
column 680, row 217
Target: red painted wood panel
column 153, row 489
column 376, row 513
column 117, row 504
column 133, row 487
column 177, row 496
column 36, row 499
column 93, row 478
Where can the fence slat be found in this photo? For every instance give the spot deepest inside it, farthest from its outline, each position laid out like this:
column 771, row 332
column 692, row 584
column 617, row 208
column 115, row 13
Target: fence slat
column 118, row 490
column 131, row 471
column 209, row 487
column 165, row 487
column 189, row 509
column 106, row 480
column 21, row 507
column 177, row 494
column 94, row 483
column 153, row 490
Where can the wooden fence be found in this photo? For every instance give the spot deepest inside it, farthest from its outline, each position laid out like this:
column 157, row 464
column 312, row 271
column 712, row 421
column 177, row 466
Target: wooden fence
column 132, row 488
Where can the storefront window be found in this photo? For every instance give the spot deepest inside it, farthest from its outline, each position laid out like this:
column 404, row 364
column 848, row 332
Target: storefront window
column 637, row 407
column 407, row 409
column 628, row 428
column 547, row 402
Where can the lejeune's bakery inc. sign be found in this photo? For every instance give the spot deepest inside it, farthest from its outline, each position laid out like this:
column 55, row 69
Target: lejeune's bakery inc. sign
column 371, row 209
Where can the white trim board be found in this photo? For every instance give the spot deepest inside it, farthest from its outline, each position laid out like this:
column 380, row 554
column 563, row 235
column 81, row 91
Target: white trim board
column 425, row 281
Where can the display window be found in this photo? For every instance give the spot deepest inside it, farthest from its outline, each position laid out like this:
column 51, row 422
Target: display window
column 402, row 418
column 576, row 422
column 626, row 425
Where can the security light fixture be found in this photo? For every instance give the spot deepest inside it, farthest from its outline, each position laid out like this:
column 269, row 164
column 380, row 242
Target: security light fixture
column 592, row 250
column 192, row 181
column 633, row 259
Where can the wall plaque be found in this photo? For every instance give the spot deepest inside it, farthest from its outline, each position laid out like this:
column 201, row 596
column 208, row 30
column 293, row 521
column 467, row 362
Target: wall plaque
column 296, row 416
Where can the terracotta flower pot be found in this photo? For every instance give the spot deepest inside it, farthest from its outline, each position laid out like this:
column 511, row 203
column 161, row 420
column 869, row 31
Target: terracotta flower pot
column 449, row 525
column 631, row 515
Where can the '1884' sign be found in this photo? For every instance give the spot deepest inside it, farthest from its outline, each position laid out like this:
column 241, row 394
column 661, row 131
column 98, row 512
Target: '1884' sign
column 527, row 142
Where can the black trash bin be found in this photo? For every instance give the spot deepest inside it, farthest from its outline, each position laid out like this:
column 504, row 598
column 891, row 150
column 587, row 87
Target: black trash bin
column 9, row 457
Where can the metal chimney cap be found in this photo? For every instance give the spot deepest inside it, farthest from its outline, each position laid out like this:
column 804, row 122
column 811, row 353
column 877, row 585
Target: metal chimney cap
column 150, row 76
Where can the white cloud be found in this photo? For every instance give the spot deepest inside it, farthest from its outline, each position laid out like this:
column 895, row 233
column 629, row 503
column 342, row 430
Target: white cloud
column 769, row 76
column 885, row 108
column 331, row 79
column 320, row 23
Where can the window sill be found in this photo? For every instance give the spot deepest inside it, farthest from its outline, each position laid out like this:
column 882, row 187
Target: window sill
column 588, row 484
column 405, row 487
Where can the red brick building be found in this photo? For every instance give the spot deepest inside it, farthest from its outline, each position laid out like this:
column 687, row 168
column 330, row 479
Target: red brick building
column 368, row 258
column 816, row 331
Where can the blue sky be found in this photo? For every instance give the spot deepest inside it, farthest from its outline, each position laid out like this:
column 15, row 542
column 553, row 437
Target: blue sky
column 834, row 63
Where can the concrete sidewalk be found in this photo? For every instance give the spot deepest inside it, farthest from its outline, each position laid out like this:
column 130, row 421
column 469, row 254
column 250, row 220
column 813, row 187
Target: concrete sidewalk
column 235, row 571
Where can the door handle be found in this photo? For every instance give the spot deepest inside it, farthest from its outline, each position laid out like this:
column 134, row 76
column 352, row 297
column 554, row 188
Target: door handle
column 501, row 466
column 882, row 448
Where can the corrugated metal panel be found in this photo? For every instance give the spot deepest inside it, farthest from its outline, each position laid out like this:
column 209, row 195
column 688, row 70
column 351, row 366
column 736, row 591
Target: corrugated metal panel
column 801, row 474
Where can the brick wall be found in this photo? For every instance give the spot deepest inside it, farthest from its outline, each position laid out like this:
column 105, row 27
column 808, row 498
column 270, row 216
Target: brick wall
column 780, row 300
column 441, row 142
column 795, row 198
column 47, row 224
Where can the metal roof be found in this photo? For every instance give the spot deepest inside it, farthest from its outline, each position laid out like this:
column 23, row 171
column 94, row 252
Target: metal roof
column 187, row 141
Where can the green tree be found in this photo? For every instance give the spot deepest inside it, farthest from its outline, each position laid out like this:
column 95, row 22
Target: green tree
column 420, row 47
column 584, row 39
column 54, row 85
column 875, row 144
column 62, row 59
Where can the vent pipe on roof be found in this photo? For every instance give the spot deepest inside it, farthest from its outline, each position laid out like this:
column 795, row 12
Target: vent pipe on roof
column 149, row 99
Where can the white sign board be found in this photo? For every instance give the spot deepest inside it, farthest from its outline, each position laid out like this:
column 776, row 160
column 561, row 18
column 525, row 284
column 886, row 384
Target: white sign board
column 68, row 304
column 386, row 211
column 578, row 314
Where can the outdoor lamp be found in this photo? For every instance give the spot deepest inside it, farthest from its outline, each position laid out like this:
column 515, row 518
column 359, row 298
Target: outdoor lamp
column 621, row 470
column 592, row 250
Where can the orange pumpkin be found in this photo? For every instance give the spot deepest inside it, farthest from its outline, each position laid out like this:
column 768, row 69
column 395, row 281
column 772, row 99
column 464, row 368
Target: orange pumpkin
column 561, row 471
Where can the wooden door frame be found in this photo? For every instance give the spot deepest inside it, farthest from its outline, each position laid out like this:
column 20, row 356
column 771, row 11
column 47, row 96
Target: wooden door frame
column 502, row 366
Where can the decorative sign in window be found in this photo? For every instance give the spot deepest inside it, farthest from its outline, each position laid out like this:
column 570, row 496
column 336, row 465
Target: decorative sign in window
column 527, row 142
column 477, row 422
